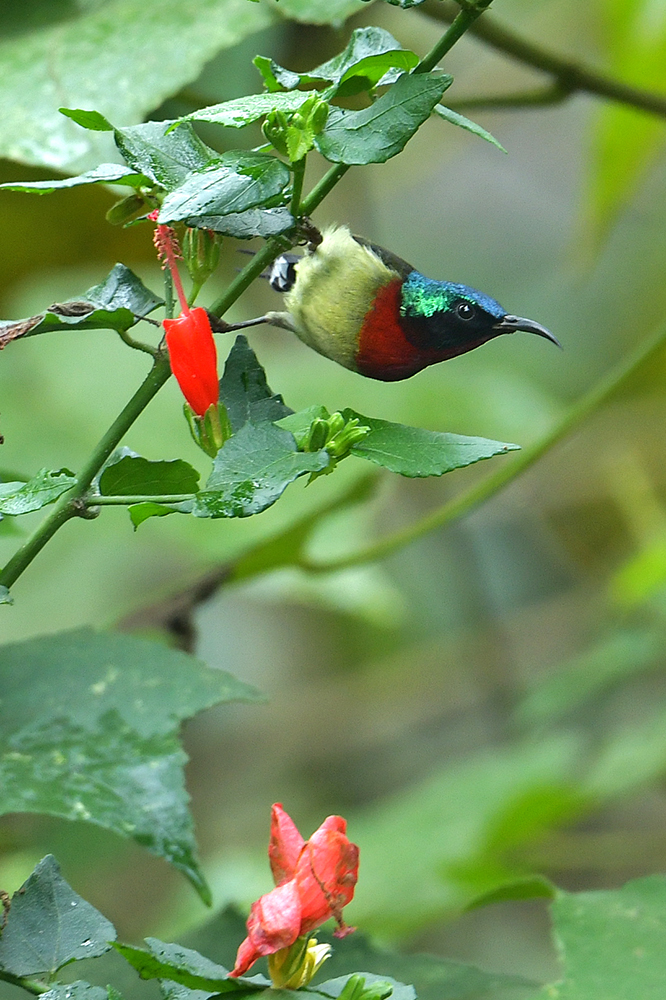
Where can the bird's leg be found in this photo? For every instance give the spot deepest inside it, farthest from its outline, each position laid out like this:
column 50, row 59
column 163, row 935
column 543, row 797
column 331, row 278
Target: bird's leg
column 284, row 320
column 309, row 233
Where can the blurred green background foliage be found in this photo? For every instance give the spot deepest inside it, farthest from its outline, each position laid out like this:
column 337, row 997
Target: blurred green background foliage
column 490, row 701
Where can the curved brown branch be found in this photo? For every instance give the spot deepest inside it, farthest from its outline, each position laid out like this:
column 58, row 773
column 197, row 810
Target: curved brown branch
column 571, row 76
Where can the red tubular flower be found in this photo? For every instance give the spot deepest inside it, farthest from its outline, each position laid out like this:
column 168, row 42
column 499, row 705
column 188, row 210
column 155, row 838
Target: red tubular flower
column 193, row 358
column 314, row 880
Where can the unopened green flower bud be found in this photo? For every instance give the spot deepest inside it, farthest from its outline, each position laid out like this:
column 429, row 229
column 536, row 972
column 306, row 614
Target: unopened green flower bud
column 335, row 424
column 201, row 253
column 212, row 430
column 317, row 435
column 126, row 209
column 293, row 967
column 318, row 117
column 274, row 129
column 341, row 443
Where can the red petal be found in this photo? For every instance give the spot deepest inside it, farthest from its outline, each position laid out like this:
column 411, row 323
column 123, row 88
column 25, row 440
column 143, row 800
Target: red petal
column 274, row 923
column 193, row 358
column 326, row 874
column 285, row 845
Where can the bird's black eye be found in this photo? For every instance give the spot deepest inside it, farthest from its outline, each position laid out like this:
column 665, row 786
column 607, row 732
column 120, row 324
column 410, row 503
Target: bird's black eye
column 465, row 311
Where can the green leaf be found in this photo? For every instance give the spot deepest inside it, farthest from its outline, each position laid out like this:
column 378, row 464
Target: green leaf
column 432, row 978
column 180, row 965
column 42, row 489
column 88, row 725
column 106, row 173
column 167, row 155
column 611, row 943
column 253, row 470
column 528, row 887
column 379, row 132
column 80, row 990
column 236, row 182
column 124, row 57
column 372, row 55
column 245, row 391
column 414, row 452
column 263, row 222
column 123, row 289
column 133, row 475
column 49, row 925
column 140, row 512
column 428, row 864
column 245, row 110
column 276, row 77
column 457, row 119
column 92, row 120
column 114, row 304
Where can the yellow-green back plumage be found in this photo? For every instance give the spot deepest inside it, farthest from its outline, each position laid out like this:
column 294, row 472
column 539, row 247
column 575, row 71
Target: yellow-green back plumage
column 335, row 287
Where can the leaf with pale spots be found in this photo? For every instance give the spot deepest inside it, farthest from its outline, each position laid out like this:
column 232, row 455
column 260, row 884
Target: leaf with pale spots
column 88, row 730
column 117, row 303
column 49, row 925
column 611, row 943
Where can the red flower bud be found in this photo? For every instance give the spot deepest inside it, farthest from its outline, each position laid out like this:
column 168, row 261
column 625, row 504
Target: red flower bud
column 315, row 880
column 193, row 358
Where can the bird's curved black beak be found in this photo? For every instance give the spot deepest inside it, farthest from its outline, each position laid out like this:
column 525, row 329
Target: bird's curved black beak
column 510, row 324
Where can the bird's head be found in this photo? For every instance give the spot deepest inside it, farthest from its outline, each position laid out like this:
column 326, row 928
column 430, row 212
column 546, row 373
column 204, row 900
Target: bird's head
column 450, row 318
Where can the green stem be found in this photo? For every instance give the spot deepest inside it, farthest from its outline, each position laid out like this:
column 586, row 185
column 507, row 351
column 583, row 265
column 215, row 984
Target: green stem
column 71, row 504
column 169, row 303
column 252, row 270
column 33, row 986
column 572, row 76
column 461, row 23
column 97, row 500
column 298, row 168
column 323, row 187
column 462, row 505
column 137, row 345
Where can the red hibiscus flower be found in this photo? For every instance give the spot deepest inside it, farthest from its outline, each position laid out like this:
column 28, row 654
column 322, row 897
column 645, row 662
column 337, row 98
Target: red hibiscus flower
column 314, row 880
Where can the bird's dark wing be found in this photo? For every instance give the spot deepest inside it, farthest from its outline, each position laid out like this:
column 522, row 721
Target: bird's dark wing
column 390, row 259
